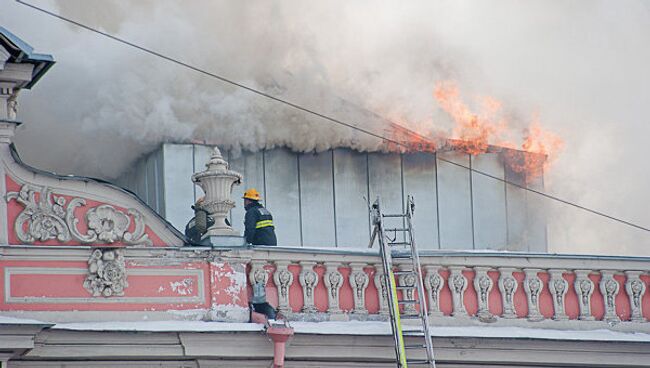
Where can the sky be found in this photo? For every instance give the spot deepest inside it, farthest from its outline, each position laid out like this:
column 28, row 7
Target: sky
column 579, row 67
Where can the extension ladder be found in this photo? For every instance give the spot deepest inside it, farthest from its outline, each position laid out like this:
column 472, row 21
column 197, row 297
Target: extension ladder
column 404, row 305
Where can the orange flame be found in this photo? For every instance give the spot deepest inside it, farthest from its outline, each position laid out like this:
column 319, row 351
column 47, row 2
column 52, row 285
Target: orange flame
column 475, row 131
column 540, row 150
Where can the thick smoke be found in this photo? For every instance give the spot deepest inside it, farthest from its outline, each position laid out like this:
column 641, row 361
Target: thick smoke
column 582, row 66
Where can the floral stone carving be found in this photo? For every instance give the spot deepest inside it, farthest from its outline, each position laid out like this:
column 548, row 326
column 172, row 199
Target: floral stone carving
column 106, row 273
column 51, row 217
column 44, row 218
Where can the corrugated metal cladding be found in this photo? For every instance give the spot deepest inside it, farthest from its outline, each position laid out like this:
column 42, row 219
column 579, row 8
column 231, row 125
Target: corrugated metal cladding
column 319, row 199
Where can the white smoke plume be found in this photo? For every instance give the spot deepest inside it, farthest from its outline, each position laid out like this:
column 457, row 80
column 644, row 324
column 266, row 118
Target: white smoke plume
column 582, row 66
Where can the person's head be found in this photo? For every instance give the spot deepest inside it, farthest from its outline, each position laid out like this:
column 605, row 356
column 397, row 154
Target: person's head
column 251, row 195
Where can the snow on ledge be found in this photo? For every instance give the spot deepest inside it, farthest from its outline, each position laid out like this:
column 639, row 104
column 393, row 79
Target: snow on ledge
column 383, row 328
column 20, row 321
column 362, row 329
column 161, row 326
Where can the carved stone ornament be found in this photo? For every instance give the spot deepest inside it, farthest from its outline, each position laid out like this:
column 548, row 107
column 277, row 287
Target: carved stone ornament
column 106, row 273
column 50, row 217
column 283, row 279
column 433, row 283
column 559, row 287
column 258, row 273
column 609, row 288
column 382, row 290
column 533, row 286
column 308, row 280
column 584, row 288
column 483, row 285
column 458, row 285
column 508, row 285
column 333, row 281
column 359, row 281
column 635, row 288
column 12, row 105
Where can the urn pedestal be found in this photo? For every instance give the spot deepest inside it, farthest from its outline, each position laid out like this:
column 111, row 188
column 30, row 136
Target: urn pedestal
column 217, row 181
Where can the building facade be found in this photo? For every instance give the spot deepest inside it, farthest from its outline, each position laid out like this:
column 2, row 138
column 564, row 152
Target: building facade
column 93, row 276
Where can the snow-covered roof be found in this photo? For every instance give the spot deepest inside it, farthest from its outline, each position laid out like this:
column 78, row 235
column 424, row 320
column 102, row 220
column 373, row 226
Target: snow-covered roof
column 365, row 328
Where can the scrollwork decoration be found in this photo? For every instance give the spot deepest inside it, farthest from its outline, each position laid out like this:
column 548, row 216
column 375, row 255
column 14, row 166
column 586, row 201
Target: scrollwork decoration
column 42, row 219
column 50, row 217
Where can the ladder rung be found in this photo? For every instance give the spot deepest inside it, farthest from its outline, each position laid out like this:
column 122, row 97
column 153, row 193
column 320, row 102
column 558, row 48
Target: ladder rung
column 398, row 243
column 402, row 256
column 408, row 302
column 394, row 215
column 402, row 287
column 415, row 346
column 418, row 362
column 398, row 273
column 410, row 316
column 397, row 229
column 413, row 333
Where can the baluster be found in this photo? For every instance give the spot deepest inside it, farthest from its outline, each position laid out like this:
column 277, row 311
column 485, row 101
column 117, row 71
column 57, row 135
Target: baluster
column 584, row 288
column 609, row 287
column 283, row 279
column 533, row 286
column 483, row 285
column 359, row 281
column 382, row 291
column 433, row 283
column 408, row 294
column 508, row 285
column 458, row 285
column 558, row 287
column 333, row 280
column 308, row 280
column 258, row 273
column 635, row 287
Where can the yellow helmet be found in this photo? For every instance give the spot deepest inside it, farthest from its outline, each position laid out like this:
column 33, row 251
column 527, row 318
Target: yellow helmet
column 252, row 194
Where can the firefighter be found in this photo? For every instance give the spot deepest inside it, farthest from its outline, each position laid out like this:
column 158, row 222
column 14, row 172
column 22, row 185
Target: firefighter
column 259, row 230
column 258, row 223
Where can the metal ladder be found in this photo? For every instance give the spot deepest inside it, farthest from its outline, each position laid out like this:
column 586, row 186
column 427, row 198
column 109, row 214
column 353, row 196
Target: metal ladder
column 403, row 247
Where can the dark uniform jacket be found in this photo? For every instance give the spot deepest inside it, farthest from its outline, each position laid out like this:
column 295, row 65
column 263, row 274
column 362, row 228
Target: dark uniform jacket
column 259, row 225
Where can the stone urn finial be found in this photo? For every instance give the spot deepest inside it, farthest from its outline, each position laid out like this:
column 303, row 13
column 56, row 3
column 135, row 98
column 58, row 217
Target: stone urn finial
column 217, row 181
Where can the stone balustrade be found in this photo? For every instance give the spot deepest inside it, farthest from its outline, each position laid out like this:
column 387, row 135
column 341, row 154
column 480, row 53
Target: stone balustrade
column 484, row 287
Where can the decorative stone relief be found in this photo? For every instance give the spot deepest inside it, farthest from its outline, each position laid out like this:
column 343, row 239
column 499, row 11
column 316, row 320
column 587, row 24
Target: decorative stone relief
column 584, row 288
column 508, row 285
column 333, row 280
column 12, row 105
column 533, row 286
column 382, row 291
column 558, row 287
column 308, row 280
column 52, row 218
column 44, row 218
column 408, row 294
column 483, row 285
column 258, row 273
column 106, row 273
column 609, row 287
column 283, row 279
column 433, row 283
column 458, row 285
column 359, row 281
column 635, row 288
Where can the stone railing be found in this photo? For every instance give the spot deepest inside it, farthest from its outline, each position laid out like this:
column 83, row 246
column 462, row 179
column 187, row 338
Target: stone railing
column 462, row 287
